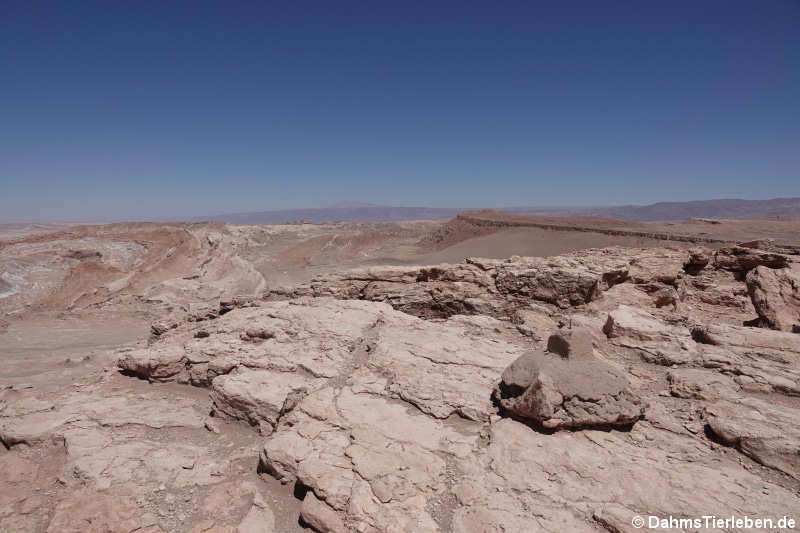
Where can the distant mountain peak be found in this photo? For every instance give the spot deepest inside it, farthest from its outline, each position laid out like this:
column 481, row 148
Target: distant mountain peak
column 352, row 205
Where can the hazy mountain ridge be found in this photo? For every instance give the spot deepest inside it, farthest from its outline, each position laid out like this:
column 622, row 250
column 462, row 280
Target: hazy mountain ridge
column 355, row 211
column 722, row 208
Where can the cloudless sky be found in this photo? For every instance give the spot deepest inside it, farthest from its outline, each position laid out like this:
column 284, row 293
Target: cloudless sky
column 142, row 109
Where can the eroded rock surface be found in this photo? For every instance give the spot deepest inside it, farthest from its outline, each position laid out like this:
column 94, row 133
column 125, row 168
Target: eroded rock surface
column 368, row 395
column 746, row 258
column 115, row 454
column 762, row 430
column 477, row 286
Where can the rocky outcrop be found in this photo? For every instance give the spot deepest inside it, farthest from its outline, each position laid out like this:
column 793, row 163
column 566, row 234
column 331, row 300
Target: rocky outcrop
column 557, row 282
column 500, row 288
column 534, row 321
column 651, row 338
column 567, row 387
column 776, row 297
column 430, row 292
column 572, row 481
column 316, row 341
column 762, row 430
column 698, row 259
column 486, row 396
column 701, row 384
column 369, row 461
column 758, row 359
column 320, row 516
column 114, row 454
column 744, row 259
column 136, row 266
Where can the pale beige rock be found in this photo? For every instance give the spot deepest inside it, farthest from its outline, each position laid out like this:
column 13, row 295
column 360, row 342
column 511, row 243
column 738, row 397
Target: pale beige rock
column 639, row 325
column 115, row 511
column 259, row 396
column 567, row 387
column 762, row 360
column 369, row 458
column 535, row 323
column 320, row 516
column 776, row 296
column 374, row 463
column 747, row 337
column 562, row 481
column 701, row 384
column 571, row 343
column 229, row 499
column 259, row 519
column 442, row 369
column 558, row 280
column 16, row 469
column 764, row 431
column 497, row 287
column 653, row 339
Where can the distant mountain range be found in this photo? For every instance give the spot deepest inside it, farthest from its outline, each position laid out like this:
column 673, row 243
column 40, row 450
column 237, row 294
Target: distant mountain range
column 661, row 211
column 338, row 214
column 726, row 208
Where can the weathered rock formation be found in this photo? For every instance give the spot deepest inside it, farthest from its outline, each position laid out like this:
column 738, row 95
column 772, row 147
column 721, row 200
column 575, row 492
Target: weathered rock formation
column 776, row 296
column 478, row 286
column 370, row 394
column 567, row 387
column 744, row 259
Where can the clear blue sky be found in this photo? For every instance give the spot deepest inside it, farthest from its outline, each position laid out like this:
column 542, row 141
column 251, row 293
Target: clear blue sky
column 173, row 109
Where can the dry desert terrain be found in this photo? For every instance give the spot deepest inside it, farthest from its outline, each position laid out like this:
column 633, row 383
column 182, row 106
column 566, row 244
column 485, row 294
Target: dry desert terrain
column 493, row 373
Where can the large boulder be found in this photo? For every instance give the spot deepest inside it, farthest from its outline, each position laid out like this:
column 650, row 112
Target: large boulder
column 565, row 386
column 776, row 297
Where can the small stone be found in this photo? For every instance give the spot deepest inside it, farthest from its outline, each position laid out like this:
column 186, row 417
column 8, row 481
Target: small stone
column 260, row 333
